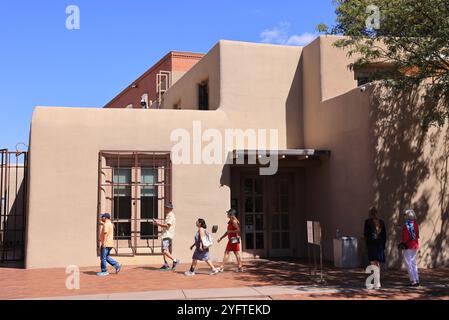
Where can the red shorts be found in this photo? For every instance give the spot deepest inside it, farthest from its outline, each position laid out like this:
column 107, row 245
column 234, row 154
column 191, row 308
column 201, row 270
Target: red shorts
column 232, row 247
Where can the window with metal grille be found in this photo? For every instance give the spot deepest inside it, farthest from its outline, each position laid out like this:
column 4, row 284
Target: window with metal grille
column 134, row 187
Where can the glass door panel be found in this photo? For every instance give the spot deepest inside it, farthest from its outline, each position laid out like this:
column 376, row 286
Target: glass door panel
column 122, row 205
column 254, row 215
column 149, row 205
column 281, row 204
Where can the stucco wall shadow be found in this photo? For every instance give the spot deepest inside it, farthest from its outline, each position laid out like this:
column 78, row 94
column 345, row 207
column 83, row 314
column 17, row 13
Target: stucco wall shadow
column 294, row 110
column 410, row 172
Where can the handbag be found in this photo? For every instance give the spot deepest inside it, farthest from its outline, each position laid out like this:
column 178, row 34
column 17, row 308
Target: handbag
column 235, row 240
column 208, row 240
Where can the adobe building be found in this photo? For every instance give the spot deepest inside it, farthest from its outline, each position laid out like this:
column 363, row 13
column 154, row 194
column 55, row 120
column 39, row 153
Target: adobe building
column 339, row 151
column 150, row 86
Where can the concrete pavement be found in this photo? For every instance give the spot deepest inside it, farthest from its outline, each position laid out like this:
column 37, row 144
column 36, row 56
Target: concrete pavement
column 263, row 279
column 252, row 293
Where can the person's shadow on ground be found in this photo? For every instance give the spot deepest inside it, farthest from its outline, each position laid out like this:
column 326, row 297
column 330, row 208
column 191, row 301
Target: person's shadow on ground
column 153, row 269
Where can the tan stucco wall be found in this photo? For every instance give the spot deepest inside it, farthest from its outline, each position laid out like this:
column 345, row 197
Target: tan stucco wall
column 66, row 142
column 63, row 182
column 308, row 94
column 256, row 85
column 379, row 157
column 411, row 171
column 259, row 85
column 340, row 190
column 185, row 90
column 336, row 77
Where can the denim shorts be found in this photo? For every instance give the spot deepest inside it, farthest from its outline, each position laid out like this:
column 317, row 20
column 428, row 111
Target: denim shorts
column 201, row 255
column 166, row 243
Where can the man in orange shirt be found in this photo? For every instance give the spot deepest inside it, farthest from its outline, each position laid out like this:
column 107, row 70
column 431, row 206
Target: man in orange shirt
column 107, row 243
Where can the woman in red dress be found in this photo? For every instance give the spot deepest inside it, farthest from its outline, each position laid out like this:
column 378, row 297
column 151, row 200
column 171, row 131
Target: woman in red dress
column 233, row 233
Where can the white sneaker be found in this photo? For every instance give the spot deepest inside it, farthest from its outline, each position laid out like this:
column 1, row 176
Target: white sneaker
column 215, row 271
column 377, row 286
column 189, row 273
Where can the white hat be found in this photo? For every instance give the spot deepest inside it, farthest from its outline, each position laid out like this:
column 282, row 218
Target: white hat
column 410, row 214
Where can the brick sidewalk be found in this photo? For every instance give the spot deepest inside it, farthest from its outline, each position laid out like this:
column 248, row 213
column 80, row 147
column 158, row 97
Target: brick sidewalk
column 19, row 283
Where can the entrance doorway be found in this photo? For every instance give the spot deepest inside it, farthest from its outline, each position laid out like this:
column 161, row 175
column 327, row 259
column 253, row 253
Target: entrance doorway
column 267, row 206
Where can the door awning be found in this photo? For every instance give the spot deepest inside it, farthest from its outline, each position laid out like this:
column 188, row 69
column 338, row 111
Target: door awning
column 295, row 154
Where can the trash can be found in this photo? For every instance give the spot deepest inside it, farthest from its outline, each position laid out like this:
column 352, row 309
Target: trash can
column 346, row 252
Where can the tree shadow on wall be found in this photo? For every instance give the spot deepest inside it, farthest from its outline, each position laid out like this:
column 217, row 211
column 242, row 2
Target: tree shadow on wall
column 410, row 171
column 437, row 245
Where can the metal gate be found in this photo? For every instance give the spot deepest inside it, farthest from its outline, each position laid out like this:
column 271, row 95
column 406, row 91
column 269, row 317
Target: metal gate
column 13, row 204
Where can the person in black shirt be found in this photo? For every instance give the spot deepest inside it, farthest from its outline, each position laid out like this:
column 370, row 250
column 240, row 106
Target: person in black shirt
column 376, row 237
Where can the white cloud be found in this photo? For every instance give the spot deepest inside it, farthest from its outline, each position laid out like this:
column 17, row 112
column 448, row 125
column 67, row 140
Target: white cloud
column 277, row 34
column 302, row 39
column 280, row 34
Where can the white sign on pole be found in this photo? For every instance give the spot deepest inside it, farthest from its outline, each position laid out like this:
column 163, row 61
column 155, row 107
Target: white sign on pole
column 317, row 232
column 310, row 232
column 314, row 239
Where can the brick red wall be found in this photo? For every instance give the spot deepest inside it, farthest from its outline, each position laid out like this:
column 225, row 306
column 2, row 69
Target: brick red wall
column 184, row 61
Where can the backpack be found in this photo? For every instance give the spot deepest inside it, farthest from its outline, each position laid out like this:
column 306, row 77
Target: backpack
column 208, row 240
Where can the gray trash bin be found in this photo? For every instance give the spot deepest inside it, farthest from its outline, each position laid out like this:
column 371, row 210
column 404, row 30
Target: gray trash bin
column 346, row 252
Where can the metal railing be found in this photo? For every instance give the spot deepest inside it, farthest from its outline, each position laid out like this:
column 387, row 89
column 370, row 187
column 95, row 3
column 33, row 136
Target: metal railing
column 163, row 83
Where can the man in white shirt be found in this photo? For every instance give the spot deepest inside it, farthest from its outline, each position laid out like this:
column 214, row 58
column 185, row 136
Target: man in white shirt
column 168, row 233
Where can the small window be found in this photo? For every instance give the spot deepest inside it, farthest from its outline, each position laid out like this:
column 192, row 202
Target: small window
column 362, row 80
column 144, row 101
column 177, row 105
column 203, row 96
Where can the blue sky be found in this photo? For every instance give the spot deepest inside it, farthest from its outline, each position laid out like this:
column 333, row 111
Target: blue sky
column 44, row 63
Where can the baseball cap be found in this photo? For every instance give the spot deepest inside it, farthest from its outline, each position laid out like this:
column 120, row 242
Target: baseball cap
column 106, row 215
